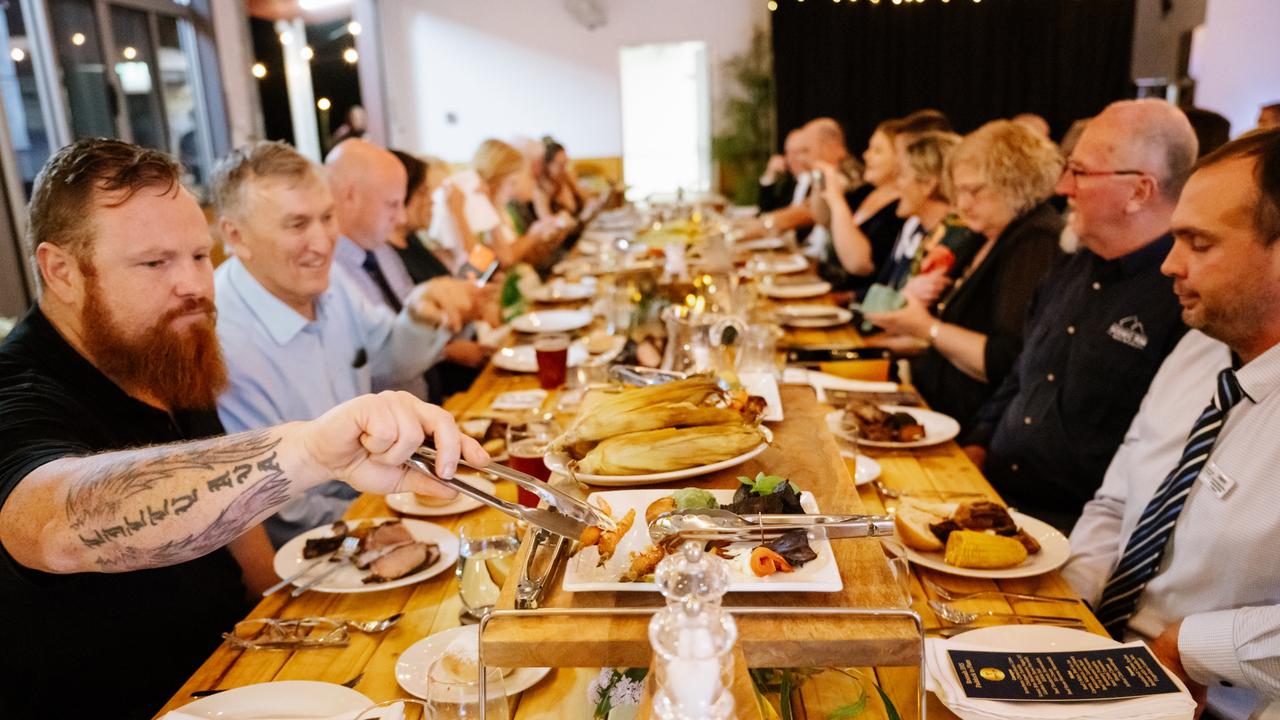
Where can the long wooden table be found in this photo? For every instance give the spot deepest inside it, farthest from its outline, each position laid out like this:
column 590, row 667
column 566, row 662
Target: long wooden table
column 433, row 605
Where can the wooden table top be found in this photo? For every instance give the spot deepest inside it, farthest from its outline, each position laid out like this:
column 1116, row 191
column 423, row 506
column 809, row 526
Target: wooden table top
column 433, row 605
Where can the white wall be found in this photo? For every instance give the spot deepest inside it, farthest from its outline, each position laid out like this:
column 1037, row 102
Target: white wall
column 1239, row 59
column 526, row 67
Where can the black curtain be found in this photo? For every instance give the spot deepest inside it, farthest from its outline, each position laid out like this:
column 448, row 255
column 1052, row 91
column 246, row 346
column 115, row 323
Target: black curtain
column 862, row 63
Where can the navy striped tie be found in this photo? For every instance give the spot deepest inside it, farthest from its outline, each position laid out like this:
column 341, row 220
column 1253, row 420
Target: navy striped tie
column 1141, row 558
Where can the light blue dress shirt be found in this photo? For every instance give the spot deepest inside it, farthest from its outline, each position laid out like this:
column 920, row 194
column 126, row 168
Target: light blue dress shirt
column 284, row 368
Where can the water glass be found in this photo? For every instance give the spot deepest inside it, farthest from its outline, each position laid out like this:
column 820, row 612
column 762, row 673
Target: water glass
column 758, row 350
column 450, row 697
column 485, row 552
column 900, row 569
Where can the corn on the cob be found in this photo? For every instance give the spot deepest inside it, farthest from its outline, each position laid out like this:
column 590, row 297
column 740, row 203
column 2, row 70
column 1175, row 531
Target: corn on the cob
column 683, row 402
column 973, row 549
column 669, row 449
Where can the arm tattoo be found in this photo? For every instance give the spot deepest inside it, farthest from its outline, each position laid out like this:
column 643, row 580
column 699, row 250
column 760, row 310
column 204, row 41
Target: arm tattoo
column 94, row 503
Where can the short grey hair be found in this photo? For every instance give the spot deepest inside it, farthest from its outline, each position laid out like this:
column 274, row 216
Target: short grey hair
column 262, row 159
column 1158, row 129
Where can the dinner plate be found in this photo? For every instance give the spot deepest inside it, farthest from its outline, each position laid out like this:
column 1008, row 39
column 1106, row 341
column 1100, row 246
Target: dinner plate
column 558, row 462
column 349, row 578
column 866, row 469
column 795, row 292
column 818, row 575
column 560, row 291
column 415, row 662
column 760, row 244
column 408, row 503
column 1035, row 638
column 812, row 316
column 779, row 265
column 284, row 698
column 546, row 321
column 524, row 359
column 938, row 428
column 765, row 385
column 1054, row 551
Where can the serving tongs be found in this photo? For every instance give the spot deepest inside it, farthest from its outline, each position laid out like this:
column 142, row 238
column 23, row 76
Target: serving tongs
column 564, row 515
column 717, row 525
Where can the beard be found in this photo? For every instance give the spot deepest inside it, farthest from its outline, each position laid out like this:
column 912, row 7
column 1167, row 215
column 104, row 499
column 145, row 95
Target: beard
column 181, row 368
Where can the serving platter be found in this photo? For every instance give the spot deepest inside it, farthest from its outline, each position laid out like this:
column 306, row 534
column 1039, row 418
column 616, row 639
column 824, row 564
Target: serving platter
column 349, row 578
column 558, row 462
column 938, row 428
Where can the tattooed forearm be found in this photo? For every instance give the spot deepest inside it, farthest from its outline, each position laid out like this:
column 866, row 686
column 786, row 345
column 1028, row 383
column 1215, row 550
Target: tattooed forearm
column 268, row 491
column 99, row 498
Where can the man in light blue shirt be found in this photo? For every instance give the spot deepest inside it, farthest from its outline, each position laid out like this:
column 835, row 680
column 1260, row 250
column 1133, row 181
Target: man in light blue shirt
column 299, row 339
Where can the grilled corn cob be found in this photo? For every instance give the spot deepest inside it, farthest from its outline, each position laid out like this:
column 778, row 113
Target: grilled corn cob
column 973, row 549
column 669, row 449
column 683, row 402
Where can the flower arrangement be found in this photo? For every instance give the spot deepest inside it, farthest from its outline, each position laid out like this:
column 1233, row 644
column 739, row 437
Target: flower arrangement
column 616, row 693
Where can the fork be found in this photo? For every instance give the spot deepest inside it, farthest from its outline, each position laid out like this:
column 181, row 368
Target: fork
column 956, row 616
column 345, row 552
column 893, row 494
column 953, row 595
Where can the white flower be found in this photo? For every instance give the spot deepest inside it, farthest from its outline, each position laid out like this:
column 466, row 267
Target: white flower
column 626, row 692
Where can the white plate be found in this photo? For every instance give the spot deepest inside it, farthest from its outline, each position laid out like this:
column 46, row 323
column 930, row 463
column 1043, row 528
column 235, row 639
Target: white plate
column 524, row 359
column 408, row 503
column 813, row 316
column 545, row 321
column 760, row 244
column 349, row 578
column 558, row 462
column 795, row 292
column 1054, row 551
column 284, row 698
column 765, row 385
column 1035, row 638
column 938, row 428
column 560, row 291
column 866, row 469
column 818, row 575
column 780, row 265
column 415, row 662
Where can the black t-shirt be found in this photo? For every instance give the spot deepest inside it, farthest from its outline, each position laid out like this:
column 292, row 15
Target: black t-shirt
column 96, row 644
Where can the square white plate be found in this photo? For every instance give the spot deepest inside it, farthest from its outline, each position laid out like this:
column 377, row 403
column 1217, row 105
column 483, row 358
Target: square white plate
column 818, row 575
column 765, row 385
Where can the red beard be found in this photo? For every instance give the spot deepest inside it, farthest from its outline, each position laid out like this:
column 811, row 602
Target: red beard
column 183, row 369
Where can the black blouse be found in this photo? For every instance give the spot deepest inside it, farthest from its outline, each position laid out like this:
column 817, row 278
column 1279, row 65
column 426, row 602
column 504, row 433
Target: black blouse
column 994, row 301
column 881, row 229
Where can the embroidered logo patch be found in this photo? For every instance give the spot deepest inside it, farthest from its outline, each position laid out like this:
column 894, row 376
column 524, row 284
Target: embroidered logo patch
column 1129, row 331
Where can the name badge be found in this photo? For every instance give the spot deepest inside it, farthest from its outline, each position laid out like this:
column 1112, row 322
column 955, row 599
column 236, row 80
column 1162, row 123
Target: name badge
column 1129, row 331
column 1217, row 481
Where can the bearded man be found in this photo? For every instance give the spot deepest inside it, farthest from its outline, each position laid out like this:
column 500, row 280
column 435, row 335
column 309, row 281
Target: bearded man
column 112, row 559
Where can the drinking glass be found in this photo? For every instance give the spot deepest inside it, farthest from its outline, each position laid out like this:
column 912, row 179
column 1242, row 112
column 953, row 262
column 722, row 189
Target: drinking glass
column 758, row 350
column 485, row 552
column 552, row 352
column 450, row 697
column 526, row 444
column 900, row 567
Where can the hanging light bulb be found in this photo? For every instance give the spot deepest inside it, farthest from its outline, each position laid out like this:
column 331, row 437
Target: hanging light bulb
column 351, row 56
column 129, row 53
column 307, row 53
column 323, row 103
column 77, row 39
column 354, row 28
column 18, row 54
column 259, row 70
column 773, row 6
column 286, row 38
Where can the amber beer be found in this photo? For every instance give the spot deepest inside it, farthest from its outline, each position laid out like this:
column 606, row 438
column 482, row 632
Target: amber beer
column 552, row 352
column 526, row 456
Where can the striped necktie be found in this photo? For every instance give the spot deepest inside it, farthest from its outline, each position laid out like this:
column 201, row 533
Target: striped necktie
column 1141, row 558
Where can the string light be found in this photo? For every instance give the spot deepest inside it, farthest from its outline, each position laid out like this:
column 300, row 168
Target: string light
column 307, row 53
column 351, row 56
column 129, row 52
column 259, row 70
column 18, row 54
column 77, row 39
column 286, row 38
column 354, row 28
column 323, row 103
column 773, row 6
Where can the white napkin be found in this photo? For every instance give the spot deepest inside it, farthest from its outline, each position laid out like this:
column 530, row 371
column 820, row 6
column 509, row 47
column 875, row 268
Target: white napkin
column 390, row 712
column 942, row 681
column 819, row 380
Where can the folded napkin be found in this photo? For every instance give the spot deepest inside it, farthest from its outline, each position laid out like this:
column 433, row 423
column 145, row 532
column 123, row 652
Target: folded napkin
column 942, row 681
column 819, row 380
column 390, row 712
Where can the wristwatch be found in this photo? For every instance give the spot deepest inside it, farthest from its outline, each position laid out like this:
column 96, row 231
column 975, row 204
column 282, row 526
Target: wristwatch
column 934, row 329
column 768, row 222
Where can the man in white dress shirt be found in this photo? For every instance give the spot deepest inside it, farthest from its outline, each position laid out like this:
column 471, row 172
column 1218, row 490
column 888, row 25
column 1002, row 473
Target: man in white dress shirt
column 1209, row 601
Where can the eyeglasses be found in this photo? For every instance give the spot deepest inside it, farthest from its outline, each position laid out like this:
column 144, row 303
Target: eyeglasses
column 971, row 191
column 1076, row 173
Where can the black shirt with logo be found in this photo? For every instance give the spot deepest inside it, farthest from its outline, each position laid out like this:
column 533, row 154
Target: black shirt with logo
column 108, row 645
column 1098, row 332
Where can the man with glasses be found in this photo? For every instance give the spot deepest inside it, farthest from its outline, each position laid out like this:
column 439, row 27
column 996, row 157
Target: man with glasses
column 1102, row 321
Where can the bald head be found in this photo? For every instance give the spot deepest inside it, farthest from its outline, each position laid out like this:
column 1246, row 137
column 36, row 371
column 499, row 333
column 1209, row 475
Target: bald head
column 1149, row 135
column 827, row 138
column 368, row 185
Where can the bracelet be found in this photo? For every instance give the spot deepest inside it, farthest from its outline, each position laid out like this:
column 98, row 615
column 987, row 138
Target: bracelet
column 934, row 329
column 768, row 222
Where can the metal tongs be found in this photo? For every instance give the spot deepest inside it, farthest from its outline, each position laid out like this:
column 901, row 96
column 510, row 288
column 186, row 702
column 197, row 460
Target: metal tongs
column 564, row 515
column 725, row 526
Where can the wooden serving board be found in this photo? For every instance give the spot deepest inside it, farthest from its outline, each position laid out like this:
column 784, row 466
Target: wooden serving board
column 803, row 451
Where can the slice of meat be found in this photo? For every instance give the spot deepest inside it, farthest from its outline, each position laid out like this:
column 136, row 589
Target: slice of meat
column 402, row 561
column 317, row 547
column 387, row 535
column 368, row 557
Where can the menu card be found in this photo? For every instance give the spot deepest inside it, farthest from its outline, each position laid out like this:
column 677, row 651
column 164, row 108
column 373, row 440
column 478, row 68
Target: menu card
column 1112, row 674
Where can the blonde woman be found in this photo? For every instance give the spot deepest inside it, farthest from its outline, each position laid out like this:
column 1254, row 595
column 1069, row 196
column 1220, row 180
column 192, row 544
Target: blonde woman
column 999, row 177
